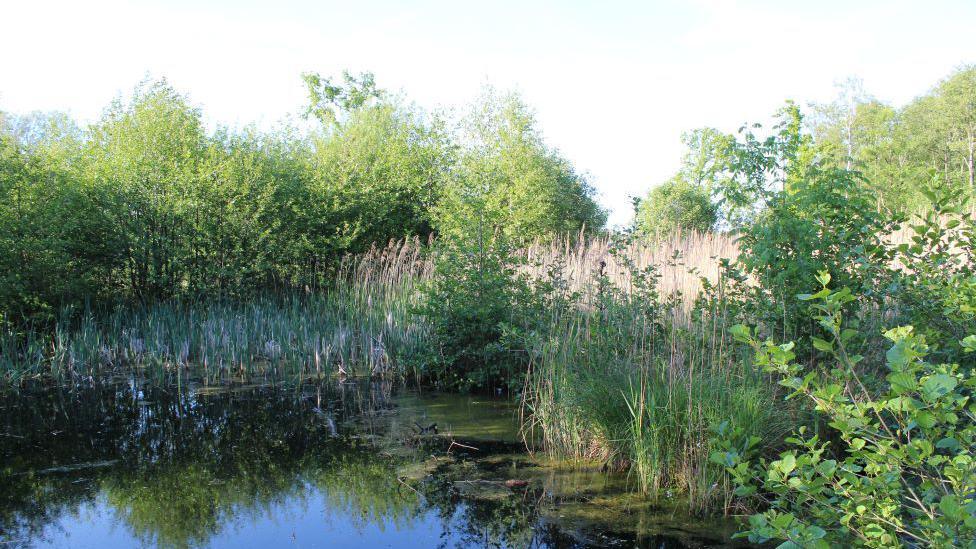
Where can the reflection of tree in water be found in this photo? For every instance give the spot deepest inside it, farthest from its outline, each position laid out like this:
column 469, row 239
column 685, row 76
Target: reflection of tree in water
column 47, row 429
column 187, row 464
column 177, row 467
column 366, row 491
column 502, row 522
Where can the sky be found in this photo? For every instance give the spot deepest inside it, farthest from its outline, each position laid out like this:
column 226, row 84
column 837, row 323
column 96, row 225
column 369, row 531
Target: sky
column 613, row 84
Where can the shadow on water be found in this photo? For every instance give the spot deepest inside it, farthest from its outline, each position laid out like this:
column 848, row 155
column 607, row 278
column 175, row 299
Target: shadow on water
column 133, row 463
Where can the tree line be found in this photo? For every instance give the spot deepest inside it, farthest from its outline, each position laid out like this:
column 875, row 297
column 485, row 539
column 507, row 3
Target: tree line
column 147, row 204
column 932, row 139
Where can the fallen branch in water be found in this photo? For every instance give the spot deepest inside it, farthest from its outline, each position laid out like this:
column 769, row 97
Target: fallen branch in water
column 455, row 443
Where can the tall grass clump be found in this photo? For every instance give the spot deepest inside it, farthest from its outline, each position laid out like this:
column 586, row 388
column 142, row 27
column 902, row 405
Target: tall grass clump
column 360, row 325
column 634, row 377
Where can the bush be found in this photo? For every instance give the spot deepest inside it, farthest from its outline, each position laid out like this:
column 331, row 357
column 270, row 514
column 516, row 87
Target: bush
column 824, row 221
column 900, row 470
column 934, row 280
column 475, row 304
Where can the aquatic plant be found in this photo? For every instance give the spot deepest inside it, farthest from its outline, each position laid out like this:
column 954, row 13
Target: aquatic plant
column 361, row 325
column 633, row 377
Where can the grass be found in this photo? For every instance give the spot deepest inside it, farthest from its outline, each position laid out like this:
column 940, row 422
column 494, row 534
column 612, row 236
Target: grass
column 679, row 260
column 636, row 376
column 359, row 326
column 362, row 325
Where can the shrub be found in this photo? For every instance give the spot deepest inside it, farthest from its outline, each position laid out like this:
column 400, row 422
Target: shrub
column 900, row 469
column 474, row 305
column 933, row 281
column 823, row 221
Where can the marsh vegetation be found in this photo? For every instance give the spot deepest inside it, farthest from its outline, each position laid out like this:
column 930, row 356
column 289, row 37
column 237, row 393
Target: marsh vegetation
column 785, row 332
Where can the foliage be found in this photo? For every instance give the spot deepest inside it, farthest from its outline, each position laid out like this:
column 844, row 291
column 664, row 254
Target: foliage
column 509, row 180
column 895, row 148
column 904, row 471
column 147, row 205
column 760, row 168
column 625, row 378
column 476, row 304
column 823, row 221
column 934, row 280
column 676, row 206
column 330, row 102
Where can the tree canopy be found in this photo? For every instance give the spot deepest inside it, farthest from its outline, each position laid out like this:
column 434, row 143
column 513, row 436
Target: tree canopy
column 147, row 203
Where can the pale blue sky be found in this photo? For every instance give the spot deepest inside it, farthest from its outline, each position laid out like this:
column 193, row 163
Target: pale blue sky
column 613, row 83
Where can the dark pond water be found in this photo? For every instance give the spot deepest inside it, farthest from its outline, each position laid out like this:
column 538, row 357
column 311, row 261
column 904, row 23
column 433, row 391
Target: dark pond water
column 132, row 464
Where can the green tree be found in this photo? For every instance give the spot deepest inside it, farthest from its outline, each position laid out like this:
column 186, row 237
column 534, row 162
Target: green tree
column 707, row 158
column 508, row 179
column 144, row 157
column 759, row 168
column 894, row 149
column 51, row 252
column 858, row 132
column 676, row 206
column 941, row 127
column 330, row 102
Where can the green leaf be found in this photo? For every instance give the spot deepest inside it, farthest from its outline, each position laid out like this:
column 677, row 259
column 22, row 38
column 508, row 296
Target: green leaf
column 787, row 463
column 925, row 419
column 950, row 506
column 819, row 295
column 938, row 386
column 823, row 345
column 969, row 343
column 948, row 443
column 740, row 332
column 902, row 382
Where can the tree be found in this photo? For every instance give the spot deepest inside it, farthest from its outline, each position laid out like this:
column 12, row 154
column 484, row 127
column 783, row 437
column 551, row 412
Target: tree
column 508, row 179
column 330, row 102
column 942, row 128
column 676, row 206
column 144, row 158
column 375, row 176
column 707, row 158
column 49, row 256
column 895, row 149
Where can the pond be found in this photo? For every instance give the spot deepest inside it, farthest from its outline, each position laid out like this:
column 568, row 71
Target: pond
column 134, row 463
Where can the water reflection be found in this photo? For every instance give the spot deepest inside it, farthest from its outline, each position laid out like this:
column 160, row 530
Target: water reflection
column 134, row 463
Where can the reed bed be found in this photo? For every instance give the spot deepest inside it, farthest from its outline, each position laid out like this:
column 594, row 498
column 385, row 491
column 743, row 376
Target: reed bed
column 363, row 324
column 680, row 260
column 359, row 326
column 636, row 377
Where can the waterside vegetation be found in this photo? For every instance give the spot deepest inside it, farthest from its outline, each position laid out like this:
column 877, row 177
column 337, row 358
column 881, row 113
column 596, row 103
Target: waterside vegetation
column 786, row 331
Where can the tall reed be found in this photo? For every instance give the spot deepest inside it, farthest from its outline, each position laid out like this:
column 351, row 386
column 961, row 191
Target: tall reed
column 360, row 325
column 635, row 376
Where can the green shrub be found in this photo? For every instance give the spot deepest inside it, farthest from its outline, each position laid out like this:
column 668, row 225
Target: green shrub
column 823, row 221
column 933, row 281
column 473, row 305
column 900, row 470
